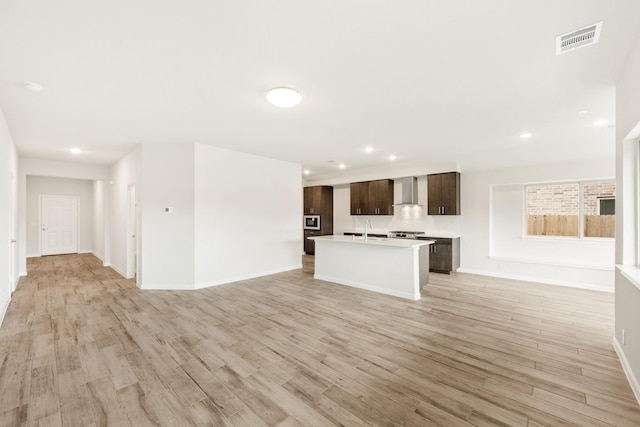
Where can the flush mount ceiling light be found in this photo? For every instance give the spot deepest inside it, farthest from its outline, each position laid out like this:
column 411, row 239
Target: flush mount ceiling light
column 392, row 157
column 33, row 87
column 306, row 171
column 75, row 151
column 368, row 150
column 342, row 166
column 525, row 135
column 284, row 97
column 600, row 123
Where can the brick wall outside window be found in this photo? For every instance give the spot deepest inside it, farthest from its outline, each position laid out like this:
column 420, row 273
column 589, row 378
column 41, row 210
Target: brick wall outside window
column 553, row 199
column 562, row 199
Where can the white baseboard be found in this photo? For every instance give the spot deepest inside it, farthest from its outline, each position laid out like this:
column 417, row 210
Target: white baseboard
column 569, row 284
column 33, row 255
column 117, row 270
column 22, row 274
column 3, row 310
column 241, row 278
column 97, row 256
column 633, row 380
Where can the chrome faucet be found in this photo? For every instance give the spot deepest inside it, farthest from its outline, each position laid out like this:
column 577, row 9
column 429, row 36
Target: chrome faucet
column 367, row 225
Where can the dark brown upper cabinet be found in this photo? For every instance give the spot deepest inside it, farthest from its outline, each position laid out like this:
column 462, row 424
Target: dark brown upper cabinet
column 443, row 193
column 372, row 197
column 312, row 200
column 359, row 198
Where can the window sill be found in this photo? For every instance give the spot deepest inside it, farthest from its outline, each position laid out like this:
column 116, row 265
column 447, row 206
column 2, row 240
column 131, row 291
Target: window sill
column 631, row 273
column 610, row 241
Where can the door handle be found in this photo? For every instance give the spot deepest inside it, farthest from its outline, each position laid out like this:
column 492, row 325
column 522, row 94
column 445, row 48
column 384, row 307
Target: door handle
column 44, row 228
column 13, row 240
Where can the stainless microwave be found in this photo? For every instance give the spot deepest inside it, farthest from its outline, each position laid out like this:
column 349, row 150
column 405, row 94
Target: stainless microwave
column 311, row 222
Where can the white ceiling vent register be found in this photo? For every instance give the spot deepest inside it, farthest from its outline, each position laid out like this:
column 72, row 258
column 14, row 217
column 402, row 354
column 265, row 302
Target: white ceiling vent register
column 582, row 37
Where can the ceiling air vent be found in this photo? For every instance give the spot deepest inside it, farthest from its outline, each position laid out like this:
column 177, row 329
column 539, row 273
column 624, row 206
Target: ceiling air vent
column 579, row 38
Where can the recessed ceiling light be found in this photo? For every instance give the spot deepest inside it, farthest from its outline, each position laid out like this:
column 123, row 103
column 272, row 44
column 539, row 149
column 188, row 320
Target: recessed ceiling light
column 368, row 149
column 284, row 97
column 600, row 123
column 33, row 87
column 342, row 166
column 306, row 171
column 525, row 135
column 75, row 150
column 392, row 157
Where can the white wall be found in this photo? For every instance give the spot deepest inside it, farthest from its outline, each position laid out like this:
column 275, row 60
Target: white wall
column 98, row 230
column 248, row 212
column 504, row 252
column 124, row 174
column 55, row 169
column 391, row 170
column 45, row 186
column 167, row 250
column 628, row 291
column 227, row 222
column 8, row 203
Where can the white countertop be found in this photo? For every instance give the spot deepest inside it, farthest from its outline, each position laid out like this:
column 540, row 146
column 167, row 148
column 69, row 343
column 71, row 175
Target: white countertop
column 429, row 233
column 442, row 234
column 379, row 241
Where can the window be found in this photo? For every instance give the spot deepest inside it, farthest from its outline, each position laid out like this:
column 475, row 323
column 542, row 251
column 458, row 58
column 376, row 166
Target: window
column 577, row 209
column 599, row 209
column 607, row 207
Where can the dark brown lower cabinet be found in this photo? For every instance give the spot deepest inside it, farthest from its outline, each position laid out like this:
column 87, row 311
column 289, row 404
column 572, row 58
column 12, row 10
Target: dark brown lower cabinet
column 444, row 255
column 309, row 245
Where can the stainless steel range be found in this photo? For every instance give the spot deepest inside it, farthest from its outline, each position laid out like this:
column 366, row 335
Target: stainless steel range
column 406, row 234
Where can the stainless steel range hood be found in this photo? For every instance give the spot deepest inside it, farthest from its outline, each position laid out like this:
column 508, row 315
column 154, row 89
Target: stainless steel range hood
column 409, row 192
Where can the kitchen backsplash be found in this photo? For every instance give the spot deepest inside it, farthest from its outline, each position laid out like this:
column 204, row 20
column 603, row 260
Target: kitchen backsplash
column 408, row 219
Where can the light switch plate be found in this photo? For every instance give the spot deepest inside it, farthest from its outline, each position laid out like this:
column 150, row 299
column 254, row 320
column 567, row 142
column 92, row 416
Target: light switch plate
column 168, row 210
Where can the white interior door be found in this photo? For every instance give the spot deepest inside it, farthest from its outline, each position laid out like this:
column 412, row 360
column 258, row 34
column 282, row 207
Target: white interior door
column 59, row 224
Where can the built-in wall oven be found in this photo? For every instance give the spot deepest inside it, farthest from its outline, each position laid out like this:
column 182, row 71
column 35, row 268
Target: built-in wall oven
column 311, row 222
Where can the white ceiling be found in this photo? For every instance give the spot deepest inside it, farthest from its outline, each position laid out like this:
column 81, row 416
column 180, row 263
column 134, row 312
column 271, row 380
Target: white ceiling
column 433, row 81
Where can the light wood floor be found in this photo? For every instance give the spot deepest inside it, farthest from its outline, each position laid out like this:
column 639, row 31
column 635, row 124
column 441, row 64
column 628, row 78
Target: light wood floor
column 80, row 346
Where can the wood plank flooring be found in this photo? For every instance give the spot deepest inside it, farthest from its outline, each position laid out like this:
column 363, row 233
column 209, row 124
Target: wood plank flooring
column 80, row 346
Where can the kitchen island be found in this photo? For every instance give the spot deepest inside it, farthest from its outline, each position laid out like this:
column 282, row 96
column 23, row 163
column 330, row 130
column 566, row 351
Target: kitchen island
column 390, row 266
